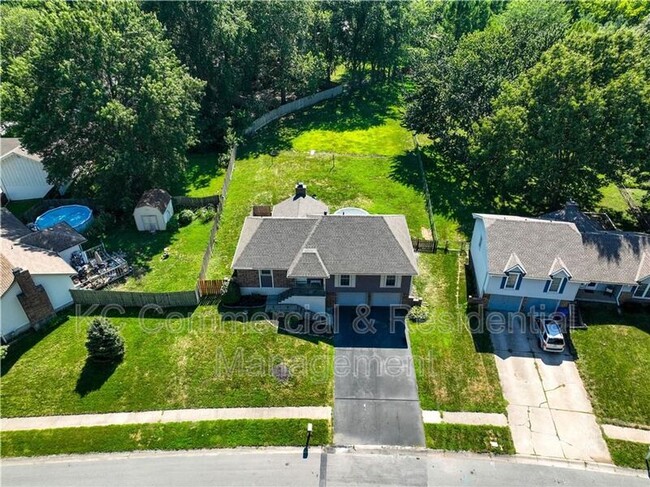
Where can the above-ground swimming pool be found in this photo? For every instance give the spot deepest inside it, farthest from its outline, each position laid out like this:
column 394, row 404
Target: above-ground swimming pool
column 77, row 216
column 351, row 211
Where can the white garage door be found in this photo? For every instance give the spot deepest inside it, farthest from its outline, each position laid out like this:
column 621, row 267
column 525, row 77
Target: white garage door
column 385, row 299
column 351, row 299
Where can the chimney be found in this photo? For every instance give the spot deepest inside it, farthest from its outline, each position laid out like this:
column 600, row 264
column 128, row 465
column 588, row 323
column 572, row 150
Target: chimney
column 33, row 298
column 301, row 190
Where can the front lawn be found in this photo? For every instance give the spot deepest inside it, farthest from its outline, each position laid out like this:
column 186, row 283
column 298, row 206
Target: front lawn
column 165, row 436
column 144, row 251
column 452, row 375
column 192, row 360
column 614, row 360
column 462, row 437
column 627, row 453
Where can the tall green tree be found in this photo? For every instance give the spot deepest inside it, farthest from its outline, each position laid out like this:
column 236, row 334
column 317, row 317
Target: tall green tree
column 579, row 115
column 108, row 101
column 456, row 82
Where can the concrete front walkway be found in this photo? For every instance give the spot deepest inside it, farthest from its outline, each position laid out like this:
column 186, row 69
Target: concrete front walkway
column 549, row 411
column 170, row 416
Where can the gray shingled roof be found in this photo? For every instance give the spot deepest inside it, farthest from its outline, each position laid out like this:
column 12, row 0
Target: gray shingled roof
column 56, row 238
column 300, row 206
column 11, row 227
column 10, row 145
column 308, row 264
column 374, row 244
column 155, row 198
column 613, row 257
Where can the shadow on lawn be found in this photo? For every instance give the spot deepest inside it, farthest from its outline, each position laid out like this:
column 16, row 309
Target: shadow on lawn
column 93, row 376
column 451, row 195
column 202, row 168
column 360, row 110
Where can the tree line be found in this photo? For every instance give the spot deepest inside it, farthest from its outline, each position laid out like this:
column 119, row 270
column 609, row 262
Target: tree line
column 511, row 93
column 547, row 103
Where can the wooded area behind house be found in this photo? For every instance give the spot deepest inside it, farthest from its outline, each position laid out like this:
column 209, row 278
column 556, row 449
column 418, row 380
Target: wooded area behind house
column 525, row 104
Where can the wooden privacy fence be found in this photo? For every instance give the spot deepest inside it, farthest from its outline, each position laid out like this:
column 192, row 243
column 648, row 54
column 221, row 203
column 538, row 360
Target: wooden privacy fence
column 196, row 202
column 293, row 106
column 135, row 299
column 209, row 287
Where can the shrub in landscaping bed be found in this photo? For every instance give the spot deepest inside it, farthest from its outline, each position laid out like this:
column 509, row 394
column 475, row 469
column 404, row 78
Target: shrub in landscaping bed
column 104, row 342
column 418, row 314
column 186, row 217
column 206, row 213
column 230, row 293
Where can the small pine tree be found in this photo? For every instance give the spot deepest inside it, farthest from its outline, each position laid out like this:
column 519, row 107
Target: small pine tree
column 104, row 342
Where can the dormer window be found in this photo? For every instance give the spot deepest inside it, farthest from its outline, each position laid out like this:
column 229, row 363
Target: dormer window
column 556, row 282
column 511, row 281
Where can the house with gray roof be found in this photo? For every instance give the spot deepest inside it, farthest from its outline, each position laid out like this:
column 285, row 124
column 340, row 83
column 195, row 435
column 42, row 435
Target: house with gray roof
column 301, row 255
column 546, row 263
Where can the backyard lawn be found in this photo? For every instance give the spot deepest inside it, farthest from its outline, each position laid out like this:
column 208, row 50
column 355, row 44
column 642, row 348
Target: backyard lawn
column 452, row 375
column 144, row 251
column 613, row 203
column 204, row 177
column 192, row 360
column 613, row 360
column 361, row 156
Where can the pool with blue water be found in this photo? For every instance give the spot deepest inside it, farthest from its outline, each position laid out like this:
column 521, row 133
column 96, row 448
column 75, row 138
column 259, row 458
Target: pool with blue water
column 77, row 216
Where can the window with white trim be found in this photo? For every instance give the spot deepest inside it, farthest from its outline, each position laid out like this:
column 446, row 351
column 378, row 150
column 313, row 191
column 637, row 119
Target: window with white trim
column 641, row 291
column 391, row 281
column 345, row 280
column 266, row 278
column 556, row 283
column 511, row 281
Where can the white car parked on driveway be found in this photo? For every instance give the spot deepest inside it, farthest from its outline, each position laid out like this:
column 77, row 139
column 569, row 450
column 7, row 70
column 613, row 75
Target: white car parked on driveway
column 550, row 335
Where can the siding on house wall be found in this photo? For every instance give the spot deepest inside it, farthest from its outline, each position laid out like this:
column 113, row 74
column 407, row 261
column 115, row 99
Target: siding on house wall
column 532, row 288
column 23, row 178
column 11, row 312
column 67, row 253
column 479, row 256
column 369, row 284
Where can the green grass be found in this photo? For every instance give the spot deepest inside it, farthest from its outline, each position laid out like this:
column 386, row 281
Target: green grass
column 627, row 453
column 613, row 203
column 613, row 361
column 452, row 375
column 461, row 437
column 191, row 360
column 144, row 250
column 204, row 175
column 18, row 208
column 166, row 436
column 363, row 158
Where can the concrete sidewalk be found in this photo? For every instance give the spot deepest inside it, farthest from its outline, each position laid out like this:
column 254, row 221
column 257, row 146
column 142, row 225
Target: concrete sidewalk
column 627, row 434
column 170, row 416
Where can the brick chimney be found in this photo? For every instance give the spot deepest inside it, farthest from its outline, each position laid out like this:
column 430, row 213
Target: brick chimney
column 301, row 190
column 34, row 298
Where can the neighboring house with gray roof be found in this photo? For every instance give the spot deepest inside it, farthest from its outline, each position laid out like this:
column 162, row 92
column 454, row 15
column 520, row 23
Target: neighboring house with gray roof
column 543, row 264
column 22, row 175
column 35, row 281
column 319, row 260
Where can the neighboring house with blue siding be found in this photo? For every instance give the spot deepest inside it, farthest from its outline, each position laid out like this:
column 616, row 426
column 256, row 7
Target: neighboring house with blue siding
column 303, row 256
column 546, row 263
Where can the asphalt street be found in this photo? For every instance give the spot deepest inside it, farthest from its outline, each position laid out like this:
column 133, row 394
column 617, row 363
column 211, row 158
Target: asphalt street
column 288, row 466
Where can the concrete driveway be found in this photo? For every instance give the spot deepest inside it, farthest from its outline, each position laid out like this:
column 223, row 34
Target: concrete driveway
column 375, row 391
column 549, row 411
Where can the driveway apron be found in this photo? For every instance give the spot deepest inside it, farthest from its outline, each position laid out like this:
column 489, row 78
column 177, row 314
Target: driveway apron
column 375, row 391
column 549, row 411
